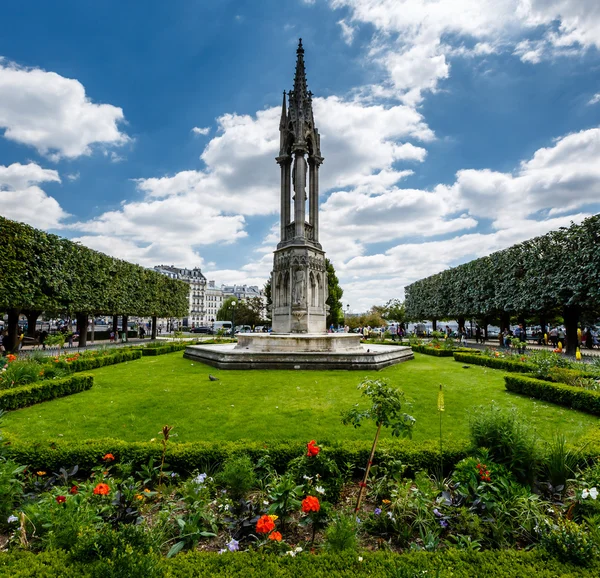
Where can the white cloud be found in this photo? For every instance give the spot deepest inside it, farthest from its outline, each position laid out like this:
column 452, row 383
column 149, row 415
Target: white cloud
column 201, row 131
column 347, row 32
column 73, row 176
column 595, row 99
column 22, row 200
column 414, row 39
column 53, row 114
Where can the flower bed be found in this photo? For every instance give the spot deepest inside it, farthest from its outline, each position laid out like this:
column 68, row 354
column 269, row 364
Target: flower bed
column 561, row 394
column 506, row 364
column 439, row 351
column 26, row 395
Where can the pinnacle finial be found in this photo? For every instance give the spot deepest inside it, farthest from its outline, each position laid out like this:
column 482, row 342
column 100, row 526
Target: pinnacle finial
column 300, row 48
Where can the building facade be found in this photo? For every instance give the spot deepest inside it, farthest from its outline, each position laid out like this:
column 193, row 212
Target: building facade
column 206, row 298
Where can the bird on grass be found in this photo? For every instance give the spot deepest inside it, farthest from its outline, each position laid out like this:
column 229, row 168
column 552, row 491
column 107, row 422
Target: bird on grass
column 212, row 377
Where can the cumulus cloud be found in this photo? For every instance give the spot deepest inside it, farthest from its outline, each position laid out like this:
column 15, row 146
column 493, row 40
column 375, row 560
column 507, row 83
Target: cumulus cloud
column 414, row 39
column 53, row 114
column 201, row 131
column 22, row 200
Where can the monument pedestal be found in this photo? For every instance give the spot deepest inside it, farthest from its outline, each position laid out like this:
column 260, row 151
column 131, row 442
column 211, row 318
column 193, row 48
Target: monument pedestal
column 299, row 351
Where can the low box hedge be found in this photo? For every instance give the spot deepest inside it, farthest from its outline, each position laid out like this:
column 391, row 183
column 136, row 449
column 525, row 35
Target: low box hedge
column 494, row 362
column 86, row 363
column 453, row 562
column 26, row 395
column 559, row 393
column 166, row 348
column 184, row 458
column 425, row 349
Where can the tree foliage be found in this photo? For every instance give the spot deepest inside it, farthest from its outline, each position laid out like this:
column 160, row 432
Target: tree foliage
column 557, row 272
column 47, row 273
column 334, row 299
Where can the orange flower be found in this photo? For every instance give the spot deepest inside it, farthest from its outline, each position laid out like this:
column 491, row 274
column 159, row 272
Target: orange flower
column 108, row 458
column 275, row 536
column 101, row 490
column 41, row 473
column 10, row 357
column 265, row 524
column 311, row 504
column 313, row 449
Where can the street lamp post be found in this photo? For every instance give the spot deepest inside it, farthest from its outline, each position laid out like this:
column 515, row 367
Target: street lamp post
column 233, row 304
column 346, row 313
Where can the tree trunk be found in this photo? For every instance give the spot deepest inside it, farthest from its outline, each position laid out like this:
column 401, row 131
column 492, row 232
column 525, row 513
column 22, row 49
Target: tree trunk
column 82, row 328
column 154, row 328
column 124, row 329
column 434, row 325
column 504, row 321
column 543, row 325
column 485, row 328
column 11, row 340
column 32, row 317
column 521, row 320
column 571, row 318
column 115, row 325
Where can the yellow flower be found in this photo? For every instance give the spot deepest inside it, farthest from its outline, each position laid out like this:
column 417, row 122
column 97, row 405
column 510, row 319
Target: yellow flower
column 578, row 355
column 147, row 491
column 273, row 517
column 441, row 399
column 386, row 501
column 139, row 497
column 41, row 473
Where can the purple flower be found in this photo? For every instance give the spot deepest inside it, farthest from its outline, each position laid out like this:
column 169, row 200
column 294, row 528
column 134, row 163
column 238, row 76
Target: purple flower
column 233, row 545
column 437, row 512
column 377, row 511
column 443, row 523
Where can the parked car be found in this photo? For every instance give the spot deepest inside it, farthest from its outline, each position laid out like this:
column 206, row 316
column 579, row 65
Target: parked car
column 201, row 329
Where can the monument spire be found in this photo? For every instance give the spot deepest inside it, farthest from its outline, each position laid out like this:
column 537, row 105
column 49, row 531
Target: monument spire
column 300, row 89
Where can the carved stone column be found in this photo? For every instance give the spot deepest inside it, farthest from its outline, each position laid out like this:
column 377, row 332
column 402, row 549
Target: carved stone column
column 300, row 193
column 284, row 163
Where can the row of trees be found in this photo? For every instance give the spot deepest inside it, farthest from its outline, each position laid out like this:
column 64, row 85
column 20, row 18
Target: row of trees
column 40, row 272
column 557, row 274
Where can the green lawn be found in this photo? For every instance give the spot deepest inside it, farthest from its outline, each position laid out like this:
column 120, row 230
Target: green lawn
column 133, row 400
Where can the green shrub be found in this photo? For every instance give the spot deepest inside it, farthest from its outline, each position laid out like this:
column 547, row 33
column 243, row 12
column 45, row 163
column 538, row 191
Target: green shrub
column 155, row 349
column 89, row 362
column 507, row 438
column 432, row 351
column 11, row 489
column 237, row 476
column 569, row 396
column 340, row 535
column 43, row 390
column 19, row 372
column 569, row 542
column 506, row 364
column 544, row 361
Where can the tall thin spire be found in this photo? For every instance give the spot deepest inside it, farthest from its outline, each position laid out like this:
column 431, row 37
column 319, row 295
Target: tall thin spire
column 300, row 89
column 283, row 120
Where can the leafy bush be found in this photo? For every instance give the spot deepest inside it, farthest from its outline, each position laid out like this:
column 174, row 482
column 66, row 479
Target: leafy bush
column 427, row 350
column 11, row 489
column 92, row 360
column 569, row 542
column 238, row 476
column 508, row 439
column 20, row 372
column 156, row 349
column 340, row 535
column 506, row 364
column 544, row 361
column 44, row 390
column 569, row 396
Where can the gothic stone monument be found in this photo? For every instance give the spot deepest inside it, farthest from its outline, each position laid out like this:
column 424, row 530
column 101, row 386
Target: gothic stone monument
column 299, row 278
column 299, row 338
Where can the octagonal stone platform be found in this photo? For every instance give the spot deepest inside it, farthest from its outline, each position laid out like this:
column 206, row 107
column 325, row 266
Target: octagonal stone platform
column 299, row 351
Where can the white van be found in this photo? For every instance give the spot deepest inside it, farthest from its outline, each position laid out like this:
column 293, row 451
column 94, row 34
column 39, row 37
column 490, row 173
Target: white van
column 224, row 325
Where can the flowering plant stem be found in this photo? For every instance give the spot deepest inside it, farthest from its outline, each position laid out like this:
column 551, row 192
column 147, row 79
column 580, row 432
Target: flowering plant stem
column 364, row 482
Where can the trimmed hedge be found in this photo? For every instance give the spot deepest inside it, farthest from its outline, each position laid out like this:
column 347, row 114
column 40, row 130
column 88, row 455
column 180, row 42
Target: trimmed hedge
column 167, row 348
column 432, row 351
column 494, row 362
column 455, row 563
column 43, row 390
column 559, row 393
column 88, row 363
column 183, row 458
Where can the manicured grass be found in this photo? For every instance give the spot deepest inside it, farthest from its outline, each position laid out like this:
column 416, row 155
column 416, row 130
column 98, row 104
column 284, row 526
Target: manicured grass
column 133, row 400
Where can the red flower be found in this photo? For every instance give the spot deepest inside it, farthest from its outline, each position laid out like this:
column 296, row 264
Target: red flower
column 275, row 536
column 101, row 490
column 313, row 449
column 265, row 524
column 61, row 499
column 73, row 490
column 311, row 504
column 108, row 458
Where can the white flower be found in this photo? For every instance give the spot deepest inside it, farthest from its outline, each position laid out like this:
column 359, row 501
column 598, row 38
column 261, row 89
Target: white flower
column 320, row 489
column 291, row 553
column 12, row 519
column 307, row 477
column 592, row 493
column 199, row 479
column 298, row 549
column 360, row 558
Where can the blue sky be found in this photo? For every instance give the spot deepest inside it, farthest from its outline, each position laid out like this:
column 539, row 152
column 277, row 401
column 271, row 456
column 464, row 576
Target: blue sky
column 450, row 128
